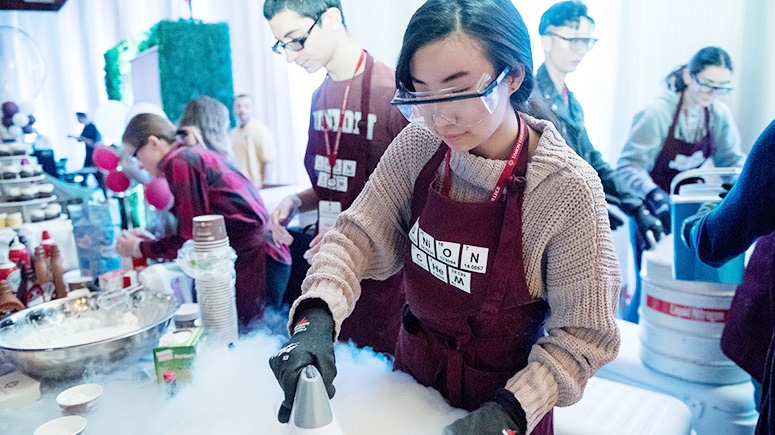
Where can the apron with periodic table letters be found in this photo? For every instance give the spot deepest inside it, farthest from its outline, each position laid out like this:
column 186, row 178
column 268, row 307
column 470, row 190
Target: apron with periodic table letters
column 470, row 320
column 377, row 316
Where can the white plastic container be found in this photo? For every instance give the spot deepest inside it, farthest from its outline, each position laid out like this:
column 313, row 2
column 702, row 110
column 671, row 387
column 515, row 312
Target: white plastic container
column 681, row 322
column 716, row 409
column 613, row 408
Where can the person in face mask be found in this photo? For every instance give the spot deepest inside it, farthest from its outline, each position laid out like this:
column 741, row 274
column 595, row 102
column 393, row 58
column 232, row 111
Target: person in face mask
column 685, row 126
column 510, row 273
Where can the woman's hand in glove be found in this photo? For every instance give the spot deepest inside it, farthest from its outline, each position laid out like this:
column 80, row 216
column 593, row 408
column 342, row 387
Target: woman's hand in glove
column 312, row 342
column 690, row 222
column 647, row 222
column 504, row 415
column 658, row 203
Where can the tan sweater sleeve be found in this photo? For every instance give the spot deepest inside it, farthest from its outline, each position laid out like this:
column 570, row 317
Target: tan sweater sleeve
column 569, row 254
column 368, row 239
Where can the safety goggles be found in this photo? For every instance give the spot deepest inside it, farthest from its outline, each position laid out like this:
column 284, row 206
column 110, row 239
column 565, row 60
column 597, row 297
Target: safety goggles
column 464, row 106
column 708, row 88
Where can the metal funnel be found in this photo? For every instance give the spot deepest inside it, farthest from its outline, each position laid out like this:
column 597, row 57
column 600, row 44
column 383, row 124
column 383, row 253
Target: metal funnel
column 311, row 408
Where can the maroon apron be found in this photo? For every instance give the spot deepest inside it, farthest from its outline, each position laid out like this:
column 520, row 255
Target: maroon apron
column 377, row 316
column 466, row 333
column 662, row 174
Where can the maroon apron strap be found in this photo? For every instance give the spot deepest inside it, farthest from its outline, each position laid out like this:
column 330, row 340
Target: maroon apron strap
column 366, row 88
column 709, row 141
column 510, row 244
column 671, row 131
column 366, row 84
column 424, row 180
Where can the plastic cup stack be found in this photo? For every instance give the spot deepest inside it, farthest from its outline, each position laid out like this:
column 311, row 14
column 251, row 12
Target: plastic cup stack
column 214, row 278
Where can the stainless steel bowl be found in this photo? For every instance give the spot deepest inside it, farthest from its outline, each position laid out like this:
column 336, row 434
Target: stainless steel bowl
column 153, row 311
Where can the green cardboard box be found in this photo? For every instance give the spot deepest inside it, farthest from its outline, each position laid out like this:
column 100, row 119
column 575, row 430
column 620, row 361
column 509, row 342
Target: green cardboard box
column 176, row 351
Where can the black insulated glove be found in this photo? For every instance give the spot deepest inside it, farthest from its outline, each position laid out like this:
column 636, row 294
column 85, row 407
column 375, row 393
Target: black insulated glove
column 504, row 415
column 658, row 203
column 647, row 222
column 613, row 220
column 727, row 187
column 690, row 222
column 311, row 342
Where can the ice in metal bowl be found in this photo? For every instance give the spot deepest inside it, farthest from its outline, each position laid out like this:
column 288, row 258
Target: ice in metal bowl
column 64, row 338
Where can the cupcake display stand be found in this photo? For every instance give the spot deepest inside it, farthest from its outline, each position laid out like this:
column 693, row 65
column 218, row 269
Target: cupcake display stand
column 25, row 196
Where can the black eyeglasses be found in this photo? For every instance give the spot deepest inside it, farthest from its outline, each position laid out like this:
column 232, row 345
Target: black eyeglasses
column 296, row 44
column 576, row 44
column 710, row 89
column 143, row 143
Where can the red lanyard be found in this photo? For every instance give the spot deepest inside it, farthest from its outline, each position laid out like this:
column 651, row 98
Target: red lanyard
column 333, row 154
column 507, row 171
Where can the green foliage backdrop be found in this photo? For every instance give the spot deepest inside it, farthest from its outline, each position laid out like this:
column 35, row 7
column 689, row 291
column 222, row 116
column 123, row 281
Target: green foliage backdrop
column 194, row 60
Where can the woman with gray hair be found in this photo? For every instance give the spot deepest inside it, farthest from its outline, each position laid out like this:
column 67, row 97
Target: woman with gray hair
column 212, row 118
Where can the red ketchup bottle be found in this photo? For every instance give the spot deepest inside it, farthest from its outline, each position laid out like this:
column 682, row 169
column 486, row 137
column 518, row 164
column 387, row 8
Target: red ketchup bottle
column 17, row 252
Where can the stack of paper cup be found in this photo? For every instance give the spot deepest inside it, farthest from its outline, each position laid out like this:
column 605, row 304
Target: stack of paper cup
column 215, row 282
column 210, row 233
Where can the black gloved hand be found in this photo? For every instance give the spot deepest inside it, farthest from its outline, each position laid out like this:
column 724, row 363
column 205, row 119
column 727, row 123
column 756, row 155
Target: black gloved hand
column 312, row 342
column 613, row 220
column 727, row 187
column 690, row 222
column 504, row 415
column 647, row 222
column 658, row 203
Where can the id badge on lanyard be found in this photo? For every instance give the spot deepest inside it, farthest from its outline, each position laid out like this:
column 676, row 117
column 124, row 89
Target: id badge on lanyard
column 334, row 180
column 328, row 211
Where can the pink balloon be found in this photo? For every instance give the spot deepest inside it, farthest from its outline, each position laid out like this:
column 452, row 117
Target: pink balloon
column 117, row 181
column 158, row 194
column 105, row 158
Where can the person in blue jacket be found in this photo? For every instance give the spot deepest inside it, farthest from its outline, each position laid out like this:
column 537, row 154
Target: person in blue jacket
column 746, row 215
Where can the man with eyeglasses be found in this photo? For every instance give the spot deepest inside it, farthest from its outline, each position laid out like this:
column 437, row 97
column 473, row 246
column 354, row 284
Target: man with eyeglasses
column 566, row 36
column 351, row 125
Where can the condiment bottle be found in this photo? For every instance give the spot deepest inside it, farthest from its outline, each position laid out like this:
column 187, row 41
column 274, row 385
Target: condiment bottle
column 10, row 272
column 30, row 293
column 18, row 252
column 60, row 289
column 41, row 266
column 46, row 242
column 9, row 303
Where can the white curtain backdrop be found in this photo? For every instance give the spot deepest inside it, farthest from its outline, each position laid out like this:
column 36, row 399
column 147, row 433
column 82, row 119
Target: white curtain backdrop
column 640, row 42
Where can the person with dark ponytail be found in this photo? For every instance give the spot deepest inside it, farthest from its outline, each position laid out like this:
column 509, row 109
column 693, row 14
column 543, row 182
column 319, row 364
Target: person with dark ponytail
column 510, row 273
column 202, row 182
column 685, row 126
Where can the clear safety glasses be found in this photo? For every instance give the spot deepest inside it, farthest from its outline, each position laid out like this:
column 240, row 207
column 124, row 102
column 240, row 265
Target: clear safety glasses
column 708, row 88
column 464, row 106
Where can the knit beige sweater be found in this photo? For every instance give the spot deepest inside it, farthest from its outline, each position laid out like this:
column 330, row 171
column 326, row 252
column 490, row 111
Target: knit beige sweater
column 568, row 254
